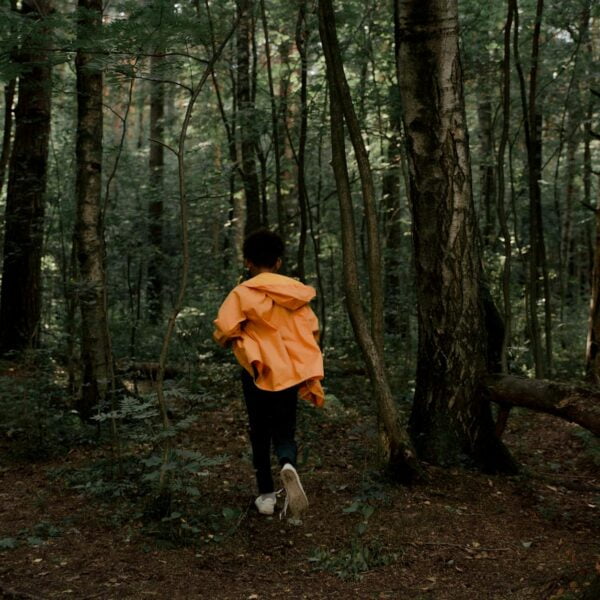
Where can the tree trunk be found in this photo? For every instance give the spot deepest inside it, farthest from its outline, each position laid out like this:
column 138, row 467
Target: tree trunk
column 395, row 316
column 575, row 404
column 89, row 231
column 155, row 205
column 451, row 421
column 274, row 126
column 487, row 177
column 500, row 201
column 9, row 96
column 398, row 448
column 21, row 294
column 301, row 37
column 246, row 117
column 567, row 249
column 327, row 24
column 592, row 351
column 533, row 146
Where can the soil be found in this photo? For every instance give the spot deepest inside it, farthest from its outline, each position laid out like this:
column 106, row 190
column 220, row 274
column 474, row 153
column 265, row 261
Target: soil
column 458, row 535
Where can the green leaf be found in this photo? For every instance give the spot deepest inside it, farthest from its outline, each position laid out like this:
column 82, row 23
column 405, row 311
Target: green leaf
column 7, row 543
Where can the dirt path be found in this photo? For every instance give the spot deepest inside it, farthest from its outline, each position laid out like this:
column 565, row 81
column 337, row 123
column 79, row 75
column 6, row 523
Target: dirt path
column 462, row 535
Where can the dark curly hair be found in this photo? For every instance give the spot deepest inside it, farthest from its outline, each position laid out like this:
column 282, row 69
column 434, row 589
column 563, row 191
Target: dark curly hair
column 263, row 247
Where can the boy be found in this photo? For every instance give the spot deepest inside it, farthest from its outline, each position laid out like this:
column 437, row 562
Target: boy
column 273, row 333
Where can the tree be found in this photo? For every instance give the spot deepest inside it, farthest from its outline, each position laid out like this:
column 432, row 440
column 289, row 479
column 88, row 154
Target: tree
column 89, row 232
column 451, row 421
column 395, row 443
column 246, row 114
column 155, row 206
column 9, row 96
column 21, row 294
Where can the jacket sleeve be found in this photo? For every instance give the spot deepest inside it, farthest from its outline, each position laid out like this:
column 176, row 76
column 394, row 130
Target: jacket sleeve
column 314, row 323
column 229, row 321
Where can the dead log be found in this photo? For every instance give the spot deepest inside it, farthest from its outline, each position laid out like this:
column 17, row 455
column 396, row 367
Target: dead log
column 576, row 404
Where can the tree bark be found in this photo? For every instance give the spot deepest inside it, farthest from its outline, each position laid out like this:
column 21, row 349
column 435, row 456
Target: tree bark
column 21, row 293
column 398, row 448
column 451, row 421
column 592, row 351
column 395, row 317
column 575, row 404
column 334, row 64
column 533, row 146
column 245, row 117
column 487, row 176
column 500, row 201
column 274, row 126
column 9, row 96
column 89, row 228
column 301, row 37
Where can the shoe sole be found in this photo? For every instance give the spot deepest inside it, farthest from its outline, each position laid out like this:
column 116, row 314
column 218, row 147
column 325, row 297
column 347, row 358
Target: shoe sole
column 297, row 500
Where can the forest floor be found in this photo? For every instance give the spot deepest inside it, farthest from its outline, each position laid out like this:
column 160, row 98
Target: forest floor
column 459, row 535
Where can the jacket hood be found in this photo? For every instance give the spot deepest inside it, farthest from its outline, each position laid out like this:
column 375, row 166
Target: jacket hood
column 285, row 291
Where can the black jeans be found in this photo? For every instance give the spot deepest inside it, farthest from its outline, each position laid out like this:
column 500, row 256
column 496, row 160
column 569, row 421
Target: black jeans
column 271, row 417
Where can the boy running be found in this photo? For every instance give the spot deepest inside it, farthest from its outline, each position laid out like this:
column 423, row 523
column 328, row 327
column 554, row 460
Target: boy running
column 273, row 333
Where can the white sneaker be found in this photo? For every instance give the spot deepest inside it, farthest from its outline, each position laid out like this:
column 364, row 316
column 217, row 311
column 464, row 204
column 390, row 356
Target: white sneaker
column 295, row 497
column 265, row 503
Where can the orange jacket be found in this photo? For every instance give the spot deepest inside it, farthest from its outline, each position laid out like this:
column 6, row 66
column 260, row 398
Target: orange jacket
column 274, row 333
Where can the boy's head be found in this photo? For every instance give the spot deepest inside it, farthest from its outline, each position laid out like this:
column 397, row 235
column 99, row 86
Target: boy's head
column 263, row 249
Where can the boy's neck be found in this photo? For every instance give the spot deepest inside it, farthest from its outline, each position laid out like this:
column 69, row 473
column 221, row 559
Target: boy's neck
column 254, row 271
column 258, row 269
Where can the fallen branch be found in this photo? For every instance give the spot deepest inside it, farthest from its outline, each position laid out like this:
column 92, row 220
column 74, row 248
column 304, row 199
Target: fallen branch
column 576, row 404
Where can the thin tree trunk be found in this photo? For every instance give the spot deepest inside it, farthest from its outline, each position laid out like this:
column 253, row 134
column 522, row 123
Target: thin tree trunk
column 155, row 205
column 500, row 201
column 327, row 22
column 274, row 126
column 532, row 127
column 231, row 146
column 89, row 228
column 451, row 420
column 487, row 185
column 395, row 317
column 503, row 411
column 246, row 114
column 21, row 293
column 301, row 37
column 567, row 228
column 9, row 96
column 592, row 353
column 401, row 457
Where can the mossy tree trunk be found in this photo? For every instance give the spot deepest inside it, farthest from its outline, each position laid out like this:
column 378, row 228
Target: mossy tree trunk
column 89, row 230
column 21, row 295
column 451, row 421
column 246, row 115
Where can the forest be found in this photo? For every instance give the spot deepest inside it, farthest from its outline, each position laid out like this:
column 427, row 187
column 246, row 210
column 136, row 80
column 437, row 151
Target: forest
column 434, row 170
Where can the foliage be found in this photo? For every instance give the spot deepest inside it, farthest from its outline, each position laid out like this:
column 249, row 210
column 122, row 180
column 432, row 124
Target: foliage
column 361, row 556
column 34, row 415
column 38, row 535
column 131, row 475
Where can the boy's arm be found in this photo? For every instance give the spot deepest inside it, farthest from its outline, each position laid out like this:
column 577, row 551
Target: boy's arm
column 229, row 321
